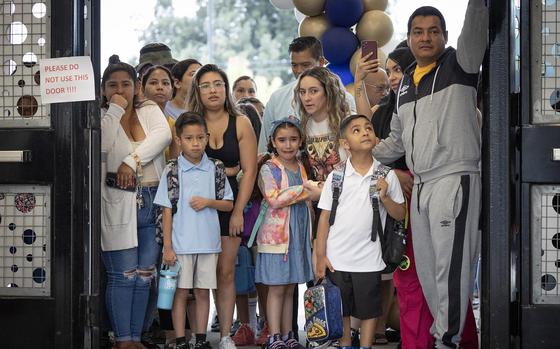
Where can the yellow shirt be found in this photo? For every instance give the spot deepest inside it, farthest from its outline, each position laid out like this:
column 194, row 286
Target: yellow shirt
column 419, row 72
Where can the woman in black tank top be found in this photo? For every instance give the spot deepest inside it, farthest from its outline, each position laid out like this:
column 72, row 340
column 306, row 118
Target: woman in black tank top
column 232, row 140
column 228, row 153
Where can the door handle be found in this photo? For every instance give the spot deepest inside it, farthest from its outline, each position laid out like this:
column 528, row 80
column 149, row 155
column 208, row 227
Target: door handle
column 555, row 154
column 15, row 155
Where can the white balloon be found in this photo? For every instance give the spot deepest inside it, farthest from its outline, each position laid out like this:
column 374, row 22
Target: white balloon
column 299, row 16
column 283, row 4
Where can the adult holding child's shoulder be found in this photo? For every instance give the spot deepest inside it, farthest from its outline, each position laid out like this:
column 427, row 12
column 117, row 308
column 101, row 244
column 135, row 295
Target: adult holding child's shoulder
column 231, row 140
column 436, row 127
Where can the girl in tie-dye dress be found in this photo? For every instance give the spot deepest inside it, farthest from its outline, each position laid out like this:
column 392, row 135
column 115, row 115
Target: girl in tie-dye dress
column 284, row 238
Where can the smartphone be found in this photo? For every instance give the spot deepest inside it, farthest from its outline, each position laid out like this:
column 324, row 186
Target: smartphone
column 111, row 181
column 369, row 46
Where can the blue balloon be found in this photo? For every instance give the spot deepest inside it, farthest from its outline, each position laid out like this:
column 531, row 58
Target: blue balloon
column 343, row 72
column 344, row 13
column 339, row 44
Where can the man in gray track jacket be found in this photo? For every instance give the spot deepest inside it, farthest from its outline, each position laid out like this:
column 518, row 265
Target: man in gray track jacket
column 435, row 126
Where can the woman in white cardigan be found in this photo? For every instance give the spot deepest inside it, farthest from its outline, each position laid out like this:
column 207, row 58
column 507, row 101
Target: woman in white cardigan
column 134, row 135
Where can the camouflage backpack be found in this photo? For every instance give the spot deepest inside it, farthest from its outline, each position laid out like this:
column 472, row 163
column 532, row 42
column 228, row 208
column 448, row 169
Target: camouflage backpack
column 173, row 190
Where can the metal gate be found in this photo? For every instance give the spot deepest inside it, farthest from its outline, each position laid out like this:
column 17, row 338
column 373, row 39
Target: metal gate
column 48, row 179
column 521, row 176
column 540, row 176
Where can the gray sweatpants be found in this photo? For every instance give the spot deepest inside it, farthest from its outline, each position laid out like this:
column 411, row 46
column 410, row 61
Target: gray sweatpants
column 444, row 218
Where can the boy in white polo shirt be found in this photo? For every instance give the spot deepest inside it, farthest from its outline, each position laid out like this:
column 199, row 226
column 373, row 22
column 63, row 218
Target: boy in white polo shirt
column 350, row 248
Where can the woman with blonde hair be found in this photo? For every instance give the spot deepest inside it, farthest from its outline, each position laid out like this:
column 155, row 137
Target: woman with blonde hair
column 320, row 99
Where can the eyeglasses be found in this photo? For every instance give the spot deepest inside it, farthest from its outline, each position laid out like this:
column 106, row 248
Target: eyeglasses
column 217, row 85
column 384, row 89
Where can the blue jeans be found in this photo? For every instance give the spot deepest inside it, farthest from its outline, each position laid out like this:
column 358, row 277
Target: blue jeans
column 152, row 309
column 130, row 273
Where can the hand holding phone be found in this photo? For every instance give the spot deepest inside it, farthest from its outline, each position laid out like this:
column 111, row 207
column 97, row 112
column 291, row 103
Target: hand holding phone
column 111, row 181
column 369, row 46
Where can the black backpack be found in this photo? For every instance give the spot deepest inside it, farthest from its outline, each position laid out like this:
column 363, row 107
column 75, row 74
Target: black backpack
column 173, row 190
column 393, row 238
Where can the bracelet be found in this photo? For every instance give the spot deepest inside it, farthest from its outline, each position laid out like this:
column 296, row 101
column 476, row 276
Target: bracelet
column 136, row 159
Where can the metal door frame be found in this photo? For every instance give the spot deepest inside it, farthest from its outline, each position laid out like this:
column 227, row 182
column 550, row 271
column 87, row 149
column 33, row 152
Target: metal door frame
column 538, row 324
column 496, row 312
column 69, row 317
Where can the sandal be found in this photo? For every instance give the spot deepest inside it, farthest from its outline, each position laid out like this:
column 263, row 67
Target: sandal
column 380, row 339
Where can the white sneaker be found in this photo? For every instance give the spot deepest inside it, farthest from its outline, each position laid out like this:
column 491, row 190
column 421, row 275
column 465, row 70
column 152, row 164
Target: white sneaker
column 227, row 343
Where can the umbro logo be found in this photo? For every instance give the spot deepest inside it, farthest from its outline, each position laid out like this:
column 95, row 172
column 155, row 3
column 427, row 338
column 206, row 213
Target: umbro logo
column 445, row 223
column 403, row 90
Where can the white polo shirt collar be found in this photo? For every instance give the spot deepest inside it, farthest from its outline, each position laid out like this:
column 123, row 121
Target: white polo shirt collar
column 351, row 171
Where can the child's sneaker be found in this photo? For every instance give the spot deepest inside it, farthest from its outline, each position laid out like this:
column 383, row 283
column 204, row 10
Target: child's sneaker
column 276, row 342
column 215, row 327
column 227, row 343
column 184, row 345
column 263, row 335
column 244, row 336
column 202, row 345
column 260, row 323
column 355, row 335
column 292, row 342
column 236, row 324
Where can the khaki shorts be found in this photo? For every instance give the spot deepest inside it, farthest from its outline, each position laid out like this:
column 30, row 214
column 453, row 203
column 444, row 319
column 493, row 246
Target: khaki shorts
column 198, row 271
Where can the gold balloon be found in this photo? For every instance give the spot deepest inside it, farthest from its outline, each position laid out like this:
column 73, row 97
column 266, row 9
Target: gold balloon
column 314, row 26
column 375, row 25
column 351, row 88
column 354, row 60
column 310, row 7
column 369, row 5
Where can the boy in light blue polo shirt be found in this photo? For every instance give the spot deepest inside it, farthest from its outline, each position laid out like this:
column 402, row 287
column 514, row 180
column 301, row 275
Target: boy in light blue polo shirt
column 192, row 235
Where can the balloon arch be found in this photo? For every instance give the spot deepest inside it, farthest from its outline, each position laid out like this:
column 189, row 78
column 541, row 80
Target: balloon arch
column 341, row 25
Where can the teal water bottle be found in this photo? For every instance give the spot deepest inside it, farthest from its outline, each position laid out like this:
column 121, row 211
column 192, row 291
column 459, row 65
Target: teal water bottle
column 167, row 285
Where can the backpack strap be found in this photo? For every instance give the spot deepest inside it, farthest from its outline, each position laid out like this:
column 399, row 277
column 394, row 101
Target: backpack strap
column 258, row 222
column 264, row 207
column 220, row 178
column 382, row 171
column 337, row 182
column 173, row 184
column 172, row 194
column 376, row 220
column 376, row 227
